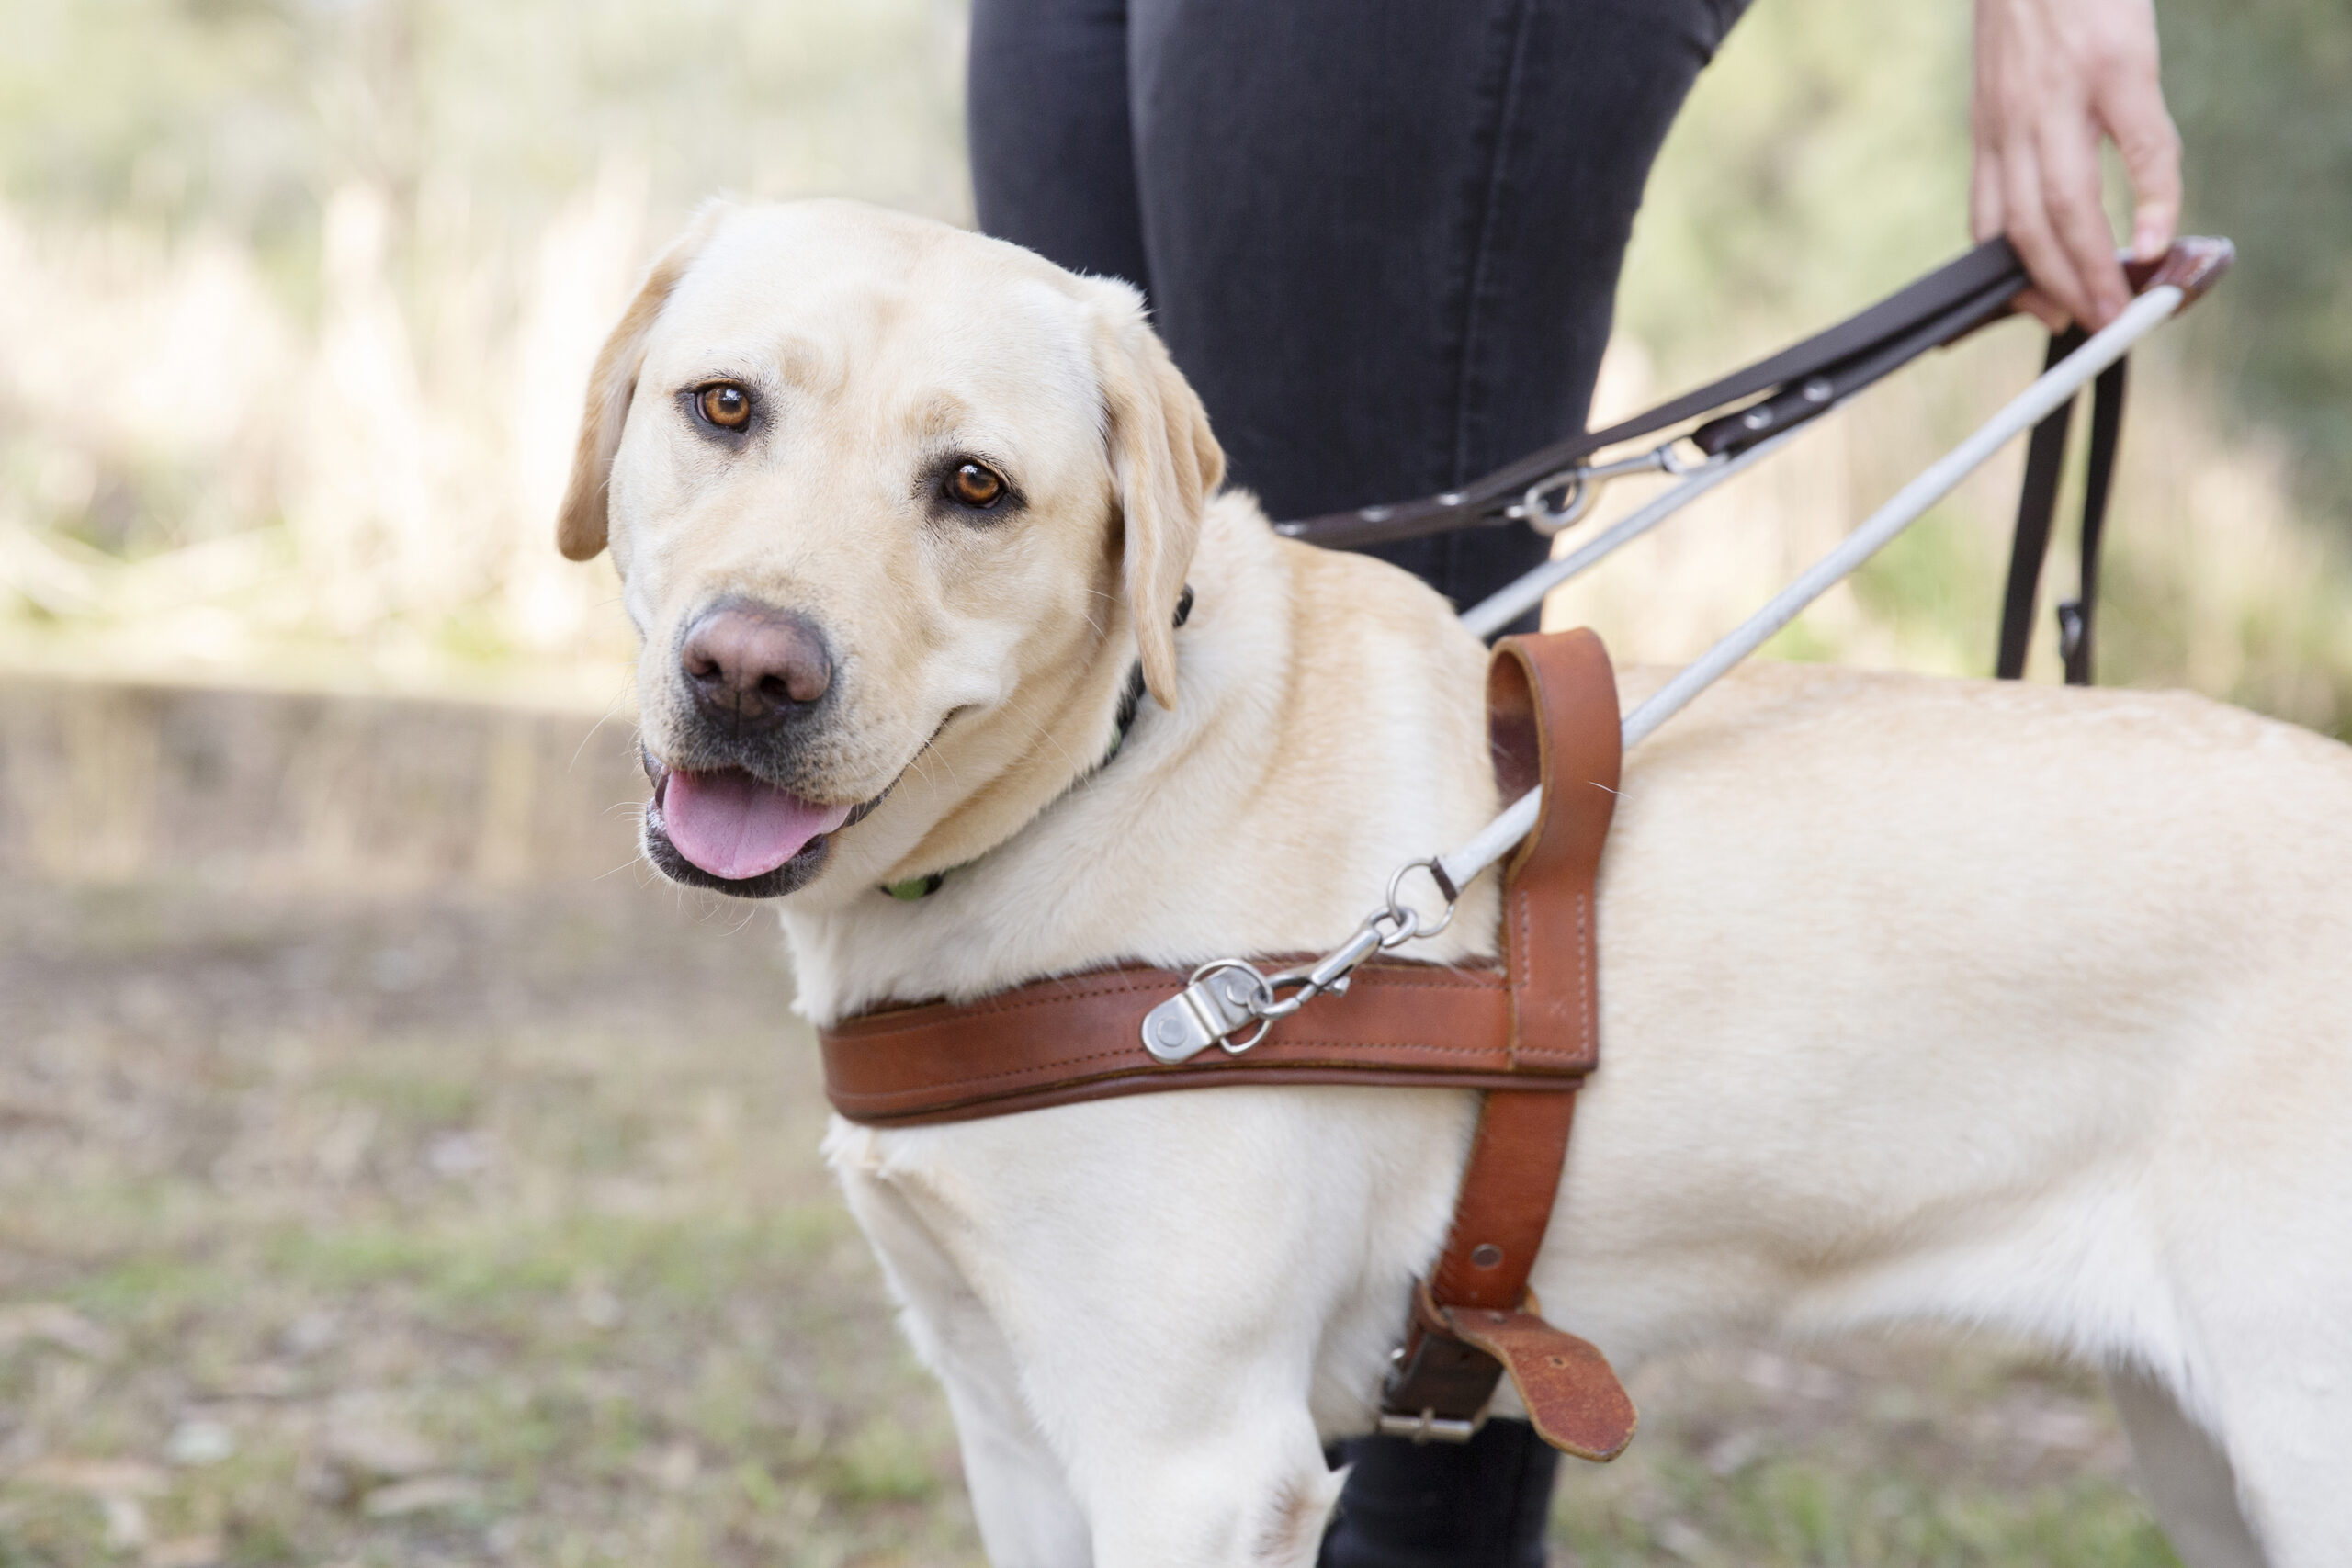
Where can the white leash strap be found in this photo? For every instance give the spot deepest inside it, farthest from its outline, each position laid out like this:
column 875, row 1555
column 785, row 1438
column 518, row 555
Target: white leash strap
column 1228, row 996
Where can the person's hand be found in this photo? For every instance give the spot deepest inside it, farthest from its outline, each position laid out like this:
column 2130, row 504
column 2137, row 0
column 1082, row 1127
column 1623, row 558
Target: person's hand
column 2051, row 76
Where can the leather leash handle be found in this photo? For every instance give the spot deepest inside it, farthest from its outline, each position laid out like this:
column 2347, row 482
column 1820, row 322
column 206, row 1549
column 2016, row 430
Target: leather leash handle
column 1552, row 718
column 2078, row 616
column 2193, row 265
column 2045, row 461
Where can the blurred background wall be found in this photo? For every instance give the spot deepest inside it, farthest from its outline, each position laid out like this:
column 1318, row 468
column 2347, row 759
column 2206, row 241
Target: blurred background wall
column 296, row 298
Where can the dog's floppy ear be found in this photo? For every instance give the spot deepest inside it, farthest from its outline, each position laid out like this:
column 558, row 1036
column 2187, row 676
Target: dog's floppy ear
column 579, row 526
column 1166, row 465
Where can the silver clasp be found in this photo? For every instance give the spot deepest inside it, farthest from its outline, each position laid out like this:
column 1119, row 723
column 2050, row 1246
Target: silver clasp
column 1220, row 1000
column 1576, row 488
column 1226, row 996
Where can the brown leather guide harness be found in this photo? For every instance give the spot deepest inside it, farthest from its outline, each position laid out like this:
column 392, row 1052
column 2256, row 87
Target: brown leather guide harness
column 1525, row 1031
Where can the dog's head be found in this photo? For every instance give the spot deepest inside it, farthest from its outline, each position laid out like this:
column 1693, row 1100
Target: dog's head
column 897, row 508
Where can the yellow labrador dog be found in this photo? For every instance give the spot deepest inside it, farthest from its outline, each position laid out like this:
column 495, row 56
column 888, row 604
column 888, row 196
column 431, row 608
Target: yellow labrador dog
column 1923, row 1000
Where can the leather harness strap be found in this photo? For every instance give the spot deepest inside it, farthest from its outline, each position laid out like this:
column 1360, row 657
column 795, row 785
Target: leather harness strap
column 1079, row 1038
column 1526, row 1032
column 1552, row 718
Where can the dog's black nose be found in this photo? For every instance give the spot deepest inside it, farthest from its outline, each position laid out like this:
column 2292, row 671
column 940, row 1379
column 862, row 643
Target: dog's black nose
column 753, row 664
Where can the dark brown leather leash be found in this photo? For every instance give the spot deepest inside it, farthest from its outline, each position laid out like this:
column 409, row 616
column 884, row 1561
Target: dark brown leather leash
column 2045, row 461
column 1527, row 1032
column 1799, row 383
column 1808, row 379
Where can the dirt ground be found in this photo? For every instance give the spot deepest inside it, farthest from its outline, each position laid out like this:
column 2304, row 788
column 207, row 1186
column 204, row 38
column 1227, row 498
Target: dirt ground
column 356, row 1217
column 470, row 1229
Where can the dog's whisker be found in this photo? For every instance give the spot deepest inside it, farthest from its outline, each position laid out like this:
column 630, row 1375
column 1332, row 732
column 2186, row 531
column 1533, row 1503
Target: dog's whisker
column 1038, row 730
column 610, row 708
column 927, row 749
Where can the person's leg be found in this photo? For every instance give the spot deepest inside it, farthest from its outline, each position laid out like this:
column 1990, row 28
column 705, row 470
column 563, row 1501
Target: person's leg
column 1483, row 1504
column 1046, row 112
column 1384, row 234
column 1383, row 239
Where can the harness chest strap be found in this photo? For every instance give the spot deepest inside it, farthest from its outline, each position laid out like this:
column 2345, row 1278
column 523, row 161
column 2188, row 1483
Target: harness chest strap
column 1527, row 1032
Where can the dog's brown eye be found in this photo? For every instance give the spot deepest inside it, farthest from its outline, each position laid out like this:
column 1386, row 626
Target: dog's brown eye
column 975, row 484
column 726, row 405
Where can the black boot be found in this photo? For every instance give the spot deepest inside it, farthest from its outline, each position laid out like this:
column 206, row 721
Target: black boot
column 1482, row 1503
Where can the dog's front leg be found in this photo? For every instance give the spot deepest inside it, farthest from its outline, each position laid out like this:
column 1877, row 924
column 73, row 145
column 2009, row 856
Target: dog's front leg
column 1241, row 1485
column 1182, row 1421
column 1026, row 1514
column 1170, row 1276
column 1252, row 1489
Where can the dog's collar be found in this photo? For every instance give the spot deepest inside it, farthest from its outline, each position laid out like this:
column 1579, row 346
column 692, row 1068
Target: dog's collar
column 911, row 888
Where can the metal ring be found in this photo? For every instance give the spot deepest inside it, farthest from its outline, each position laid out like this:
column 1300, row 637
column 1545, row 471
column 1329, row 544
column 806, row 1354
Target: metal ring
column 1409, row 926
column 1257, row 988
column 1547, row 519
column 1235, row 1047
column 1398, row 909
column 1671, row 460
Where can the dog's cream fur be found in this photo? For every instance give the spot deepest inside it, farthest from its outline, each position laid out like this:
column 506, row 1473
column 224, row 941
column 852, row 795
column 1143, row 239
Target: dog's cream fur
column 1921, row 999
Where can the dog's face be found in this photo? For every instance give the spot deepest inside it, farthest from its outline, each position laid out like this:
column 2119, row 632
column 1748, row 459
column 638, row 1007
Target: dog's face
column 895, row 505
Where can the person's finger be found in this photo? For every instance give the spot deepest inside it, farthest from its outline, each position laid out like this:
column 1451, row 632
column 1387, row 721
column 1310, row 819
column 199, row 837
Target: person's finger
column 2133, row 109
column 2028, row 226
column 2043, row 309
column 1986, row 217
column 2068, row 166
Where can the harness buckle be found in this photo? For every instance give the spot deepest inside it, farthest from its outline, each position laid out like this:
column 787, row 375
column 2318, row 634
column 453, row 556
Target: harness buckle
column 1225, row 996
column 1429, row 1427
column 1222, row 999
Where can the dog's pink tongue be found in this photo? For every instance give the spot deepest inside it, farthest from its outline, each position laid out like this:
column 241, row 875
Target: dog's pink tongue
column 733, row 825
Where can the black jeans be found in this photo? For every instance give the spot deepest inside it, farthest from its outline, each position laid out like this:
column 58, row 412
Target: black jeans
column 1381, row 238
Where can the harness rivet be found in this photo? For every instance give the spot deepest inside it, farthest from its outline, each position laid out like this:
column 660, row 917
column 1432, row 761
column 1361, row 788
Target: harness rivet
column 1485, row 1255
column 1168, row 1031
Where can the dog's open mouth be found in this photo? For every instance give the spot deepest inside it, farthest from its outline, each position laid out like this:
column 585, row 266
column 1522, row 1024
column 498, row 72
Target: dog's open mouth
column 735, row 827
column 736, row 833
